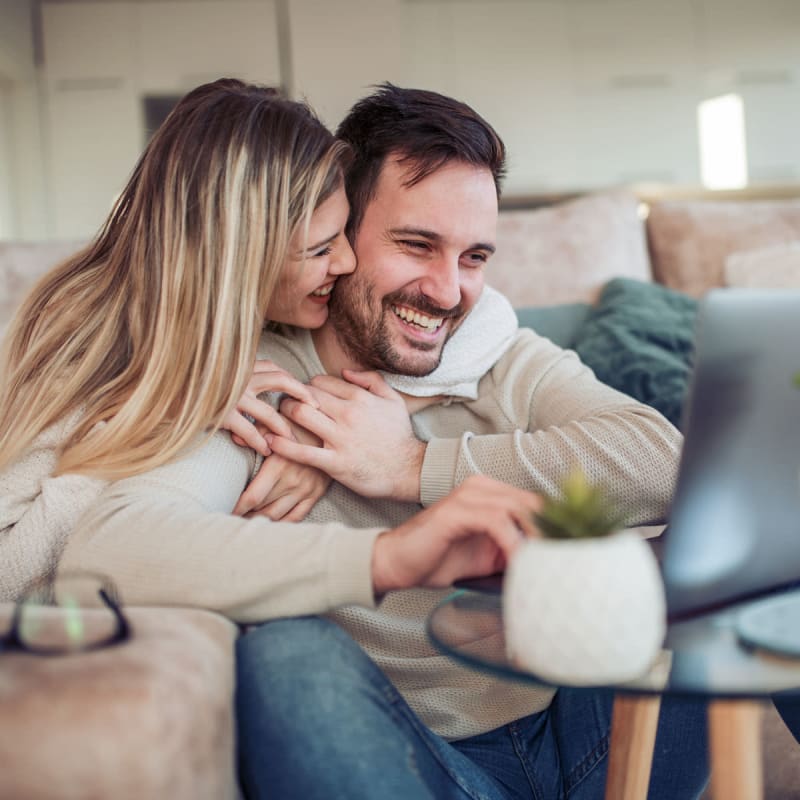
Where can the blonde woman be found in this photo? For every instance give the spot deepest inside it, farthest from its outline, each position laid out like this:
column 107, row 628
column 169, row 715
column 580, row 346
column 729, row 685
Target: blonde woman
column 126, row 361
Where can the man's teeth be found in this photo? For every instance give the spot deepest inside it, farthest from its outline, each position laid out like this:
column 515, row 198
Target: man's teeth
column 323, row 290
column 407, row 315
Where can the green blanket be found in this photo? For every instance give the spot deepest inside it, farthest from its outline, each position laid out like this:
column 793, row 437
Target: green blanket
column 638, row 339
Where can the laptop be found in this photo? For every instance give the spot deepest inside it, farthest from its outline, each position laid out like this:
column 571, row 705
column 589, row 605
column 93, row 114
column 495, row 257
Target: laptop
column 734, row 530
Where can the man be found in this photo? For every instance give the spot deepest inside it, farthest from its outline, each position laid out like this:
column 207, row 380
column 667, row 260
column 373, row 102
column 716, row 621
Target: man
column 398, row 719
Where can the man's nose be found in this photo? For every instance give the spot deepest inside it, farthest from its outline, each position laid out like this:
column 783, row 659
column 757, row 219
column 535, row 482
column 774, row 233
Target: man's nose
column 441, row 283
column 344, row 261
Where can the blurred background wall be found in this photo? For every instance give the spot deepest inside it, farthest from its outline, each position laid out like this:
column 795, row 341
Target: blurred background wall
column 586, row 93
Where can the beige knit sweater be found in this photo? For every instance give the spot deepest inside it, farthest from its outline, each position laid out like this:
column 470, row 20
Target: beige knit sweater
column 38, row 511
column 166, row 538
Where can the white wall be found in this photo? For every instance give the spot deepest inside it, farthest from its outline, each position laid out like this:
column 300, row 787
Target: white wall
column 585, row 93
column 23, row 203
column 101, row 59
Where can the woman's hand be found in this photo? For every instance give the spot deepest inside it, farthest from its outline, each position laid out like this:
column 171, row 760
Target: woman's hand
column 368, row 442
column 283, row 489
column 241, row 422
column 470, row 533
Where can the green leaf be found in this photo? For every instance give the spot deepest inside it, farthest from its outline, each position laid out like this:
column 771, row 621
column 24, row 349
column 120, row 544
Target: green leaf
column 582, row 510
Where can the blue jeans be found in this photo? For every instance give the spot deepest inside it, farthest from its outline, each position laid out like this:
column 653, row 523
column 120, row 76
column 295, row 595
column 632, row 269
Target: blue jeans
column 788, row 707
column 318, row 719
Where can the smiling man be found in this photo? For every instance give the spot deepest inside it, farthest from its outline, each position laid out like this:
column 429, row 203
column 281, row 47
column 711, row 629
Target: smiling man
column 421, row 251
column 360, row 705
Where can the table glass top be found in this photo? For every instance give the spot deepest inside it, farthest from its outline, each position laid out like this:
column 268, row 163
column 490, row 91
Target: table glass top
column 702, row 656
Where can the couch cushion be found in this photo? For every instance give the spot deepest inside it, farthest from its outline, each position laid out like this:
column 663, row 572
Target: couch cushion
column 639, row 339
column 558, row 323
column 21, row 265
column 565, row 253
column 776, row 267
column 689, row 241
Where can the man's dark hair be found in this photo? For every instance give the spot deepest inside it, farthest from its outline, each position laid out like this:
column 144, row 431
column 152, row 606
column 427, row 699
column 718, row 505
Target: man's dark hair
column 422, row 128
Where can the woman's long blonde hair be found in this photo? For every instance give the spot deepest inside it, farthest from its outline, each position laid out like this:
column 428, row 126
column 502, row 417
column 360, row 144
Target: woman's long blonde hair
column 152, row 329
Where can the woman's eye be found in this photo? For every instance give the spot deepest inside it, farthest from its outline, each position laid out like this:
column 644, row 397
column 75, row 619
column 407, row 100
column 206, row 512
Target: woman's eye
column 326, row 251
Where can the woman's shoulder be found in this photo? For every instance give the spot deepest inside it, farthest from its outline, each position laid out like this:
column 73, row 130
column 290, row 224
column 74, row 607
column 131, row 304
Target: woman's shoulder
column 21, row 482
column 291, row 349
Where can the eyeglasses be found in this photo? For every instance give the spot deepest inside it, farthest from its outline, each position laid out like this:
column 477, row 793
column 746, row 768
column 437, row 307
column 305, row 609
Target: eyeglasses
column 68, row 613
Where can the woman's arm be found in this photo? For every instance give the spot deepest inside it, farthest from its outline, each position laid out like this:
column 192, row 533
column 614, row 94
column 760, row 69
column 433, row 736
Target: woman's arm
column 543, row 411
column 166, row 538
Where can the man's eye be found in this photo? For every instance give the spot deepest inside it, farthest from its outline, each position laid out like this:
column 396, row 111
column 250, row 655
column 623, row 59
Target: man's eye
column 414, row 244
column 476, row 259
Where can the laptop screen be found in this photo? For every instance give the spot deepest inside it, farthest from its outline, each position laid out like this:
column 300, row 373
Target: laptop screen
column 735, row 523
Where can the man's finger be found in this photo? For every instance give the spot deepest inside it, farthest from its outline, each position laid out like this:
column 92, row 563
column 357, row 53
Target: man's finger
column 371, row 381
column 334, row 386
column 313, row 420
column 307, row 454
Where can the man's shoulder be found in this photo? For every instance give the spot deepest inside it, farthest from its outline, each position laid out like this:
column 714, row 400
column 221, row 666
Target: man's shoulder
column 526, row 360
column 530, row 346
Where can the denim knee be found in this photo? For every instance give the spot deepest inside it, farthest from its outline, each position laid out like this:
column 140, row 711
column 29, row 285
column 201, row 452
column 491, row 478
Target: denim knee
column 289, row 665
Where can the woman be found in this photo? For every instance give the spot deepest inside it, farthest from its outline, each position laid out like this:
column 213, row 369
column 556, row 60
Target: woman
column 129, row 356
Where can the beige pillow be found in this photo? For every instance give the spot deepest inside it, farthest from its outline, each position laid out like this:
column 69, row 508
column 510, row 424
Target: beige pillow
column 775, row 267
column 566, row 253
column 690, row 241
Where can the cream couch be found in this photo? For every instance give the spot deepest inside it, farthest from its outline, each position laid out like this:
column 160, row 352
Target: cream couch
column 546, row 256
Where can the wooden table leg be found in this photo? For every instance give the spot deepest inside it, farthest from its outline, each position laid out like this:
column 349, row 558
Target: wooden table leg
column 735, row 744
column 633, row 736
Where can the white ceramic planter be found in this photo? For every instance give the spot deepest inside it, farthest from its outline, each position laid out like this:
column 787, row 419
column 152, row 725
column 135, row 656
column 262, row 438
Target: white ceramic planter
column 584, row 611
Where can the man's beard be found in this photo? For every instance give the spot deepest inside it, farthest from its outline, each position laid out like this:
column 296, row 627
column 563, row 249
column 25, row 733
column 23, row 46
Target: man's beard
column 363, row 329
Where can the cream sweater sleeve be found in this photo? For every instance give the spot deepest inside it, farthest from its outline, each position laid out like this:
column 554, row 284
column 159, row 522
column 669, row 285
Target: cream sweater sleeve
column 167, row 538
column 38, row 512
column 549, row 413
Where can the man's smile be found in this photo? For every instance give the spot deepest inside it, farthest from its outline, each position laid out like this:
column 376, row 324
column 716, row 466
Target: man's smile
column 418, row 320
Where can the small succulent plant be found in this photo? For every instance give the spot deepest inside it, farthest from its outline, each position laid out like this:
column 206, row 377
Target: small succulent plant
column 582, row 511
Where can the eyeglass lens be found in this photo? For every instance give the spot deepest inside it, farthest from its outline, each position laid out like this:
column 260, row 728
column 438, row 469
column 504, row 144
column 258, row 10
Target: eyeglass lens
column 70, row 614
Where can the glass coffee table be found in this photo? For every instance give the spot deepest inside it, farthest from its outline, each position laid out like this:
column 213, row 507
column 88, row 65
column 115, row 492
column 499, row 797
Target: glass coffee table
column 704, row 657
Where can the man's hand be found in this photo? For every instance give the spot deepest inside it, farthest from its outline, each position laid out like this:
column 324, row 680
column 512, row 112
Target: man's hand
column 368, row 443
column 470, row 533
column 266, row 377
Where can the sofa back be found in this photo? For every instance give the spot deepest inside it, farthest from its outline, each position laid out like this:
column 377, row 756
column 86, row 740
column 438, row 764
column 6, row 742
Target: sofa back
column 566, row 253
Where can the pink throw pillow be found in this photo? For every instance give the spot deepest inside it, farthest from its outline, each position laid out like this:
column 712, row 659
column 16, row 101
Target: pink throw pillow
column 568, row 252
column 690, row 241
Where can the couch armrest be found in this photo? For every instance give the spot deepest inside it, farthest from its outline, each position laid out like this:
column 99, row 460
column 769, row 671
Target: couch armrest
column 152, row 717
